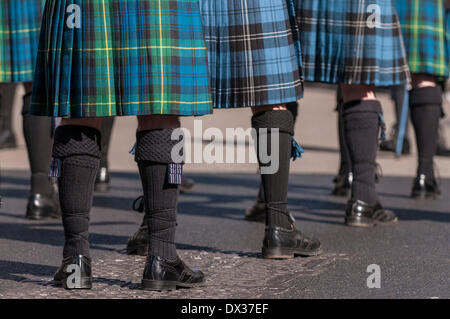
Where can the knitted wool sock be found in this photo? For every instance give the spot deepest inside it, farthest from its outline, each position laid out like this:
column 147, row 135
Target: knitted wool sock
column 37, row 131
column 425, row 105
column 345, row 166
column 107, row 127
column 78, row 149
column 153, row 155
column 361, row 128
column 293, row 108
column 276, row 185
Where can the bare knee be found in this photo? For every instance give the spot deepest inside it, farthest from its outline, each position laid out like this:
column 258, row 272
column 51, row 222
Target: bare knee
column 153, row 122
column 259, row 109
column 352, row 92
column 90, row 122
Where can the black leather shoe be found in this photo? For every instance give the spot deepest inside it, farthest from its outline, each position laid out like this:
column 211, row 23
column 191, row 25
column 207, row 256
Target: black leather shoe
column 65, row 276
column 102, row 181
column 361, row 214
column 138, row 243
column 187, row 185
column 7, row 140
column 256, row 213
column 391, row 145
column 280, row 243
column 161, row 274
column 42, row 207
column 425, row 188
column 342, row 185
column 443, row 150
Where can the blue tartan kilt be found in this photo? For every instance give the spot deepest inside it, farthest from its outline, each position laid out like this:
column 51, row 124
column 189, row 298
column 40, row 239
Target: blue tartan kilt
column 352, row 42
column 254, row 52
column 19, row 38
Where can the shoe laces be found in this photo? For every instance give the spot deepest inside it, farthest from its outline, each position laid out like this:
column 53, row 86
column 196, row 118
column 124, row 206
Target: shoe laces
column 285, row 212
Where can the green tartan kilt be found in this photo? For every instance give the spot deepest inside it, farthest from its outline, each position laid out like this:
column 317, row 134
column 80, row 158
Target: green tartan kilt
column 425, row 31
column 19, row 38
column 121, row 57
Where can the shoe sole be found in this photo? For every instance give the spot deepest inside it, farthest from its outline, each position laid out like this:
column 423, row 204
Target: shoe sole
column 40, row 214
column 85, row 283
column 158, row 285
column 425, row 196
column 355, row 223
column 360, row 224
column 287, row 253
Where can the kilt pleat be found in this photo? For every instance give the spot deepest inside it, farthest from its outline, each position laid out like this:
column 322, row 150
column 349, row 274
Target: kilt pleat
column 19, row 37
column 254, row 52
column 342, row 42
column 426, row 35
column 121, row 57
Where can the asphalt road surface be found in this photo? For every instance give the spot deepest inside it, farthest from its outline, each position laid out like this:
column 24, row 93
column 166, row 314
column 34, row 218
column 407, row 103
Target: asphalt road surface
column 413, row 256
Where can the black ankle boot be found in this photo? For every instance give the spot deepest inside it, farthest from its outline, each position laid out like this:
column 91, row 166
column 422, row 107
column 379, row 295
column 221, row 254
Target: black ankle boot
column 138, row 243
column 342, row 185
column 425, row 187
column 65, row 276
column 284, row 243
column 162, row 274
column 361, row 214
column 7, row 140
column 42, row 207
column 187, row 185
column 256, row 213
column 391, row 146
column 102, row 180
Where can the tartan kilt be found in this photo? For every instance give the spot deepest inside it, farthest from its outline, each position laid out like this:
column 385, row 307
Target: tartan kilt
column 254, row 52
column 447, row 35
column 121, row 57
column 19, row 37
column 426, row 39
column 343, row 42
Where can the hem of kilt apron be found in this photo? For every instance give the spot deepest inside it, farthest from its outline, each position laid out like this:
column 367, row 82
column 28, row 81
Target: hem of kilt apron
column 254, row 52
column 337, row 49
column 19, row 38
column 124, row 58
column 426, row 31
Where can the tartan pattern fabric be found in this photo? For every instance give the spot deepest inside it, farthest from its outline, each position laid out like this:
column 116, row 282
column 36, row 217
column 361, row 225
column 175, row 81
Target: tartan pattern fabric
column 352, row 42
column 447, row 34
column 100, row 58
column 424, row 29
column 254, row 52
column 19, row 37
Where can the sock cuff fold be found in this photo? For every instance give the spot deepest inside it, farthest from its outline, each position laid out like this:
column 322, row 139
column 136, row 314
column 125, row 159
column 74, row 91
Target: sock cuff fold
column 363, row 106
column 283, row 120
column 426, row 96
column 73, row 140
column 155, row 146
